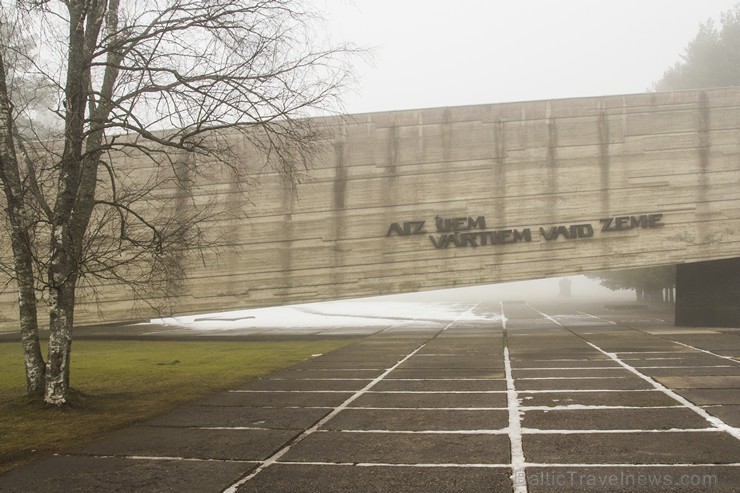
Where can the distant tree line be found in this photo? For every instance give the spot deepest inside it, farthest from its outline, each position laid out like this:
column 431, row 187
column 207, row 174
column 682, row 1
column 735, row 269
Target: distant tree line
column 711, row 59
column 651, row 284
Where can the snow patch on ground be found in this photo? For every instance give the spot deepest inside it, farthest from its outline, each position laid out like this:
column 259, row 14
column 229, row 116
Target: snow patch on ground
column 334, row 314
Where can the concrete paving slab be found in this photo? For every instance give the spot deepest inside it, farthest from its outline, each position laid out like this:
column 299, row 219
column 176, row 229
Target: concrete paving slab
column 704, row 397
column 728, row 352
column 723, row 382
column 728, row 414
column 614, row 419
column 291, row 478
column 633, row 479
column 440, row 385
column 377, row 399
column 452, row 346
column 323, row 373
column 691, row 372
column 683, row 359
column 447, row 373
column 231, row 416
column 376, row 356
column 725, row 341
column 66, row 474
column 340, row 365
column 619, row 383
column 153, row 441
column 423, row 421
column 564, row 361
column 444, row 362
column 304, row 384
column 417, row 420
column 401, row 448
column 278, row 399
column 596, row 398
column 633, row 448
column 571, row 372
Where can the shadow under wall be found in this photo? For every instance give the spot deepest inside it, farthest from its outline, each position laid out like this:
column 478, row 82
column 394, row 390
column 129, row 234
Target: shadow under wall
column 708, row 294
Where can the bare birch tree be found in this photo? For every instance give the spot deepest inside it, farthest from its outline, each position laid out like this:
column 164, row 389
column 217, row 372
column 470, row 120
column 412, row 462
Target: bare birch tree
column 163, row 79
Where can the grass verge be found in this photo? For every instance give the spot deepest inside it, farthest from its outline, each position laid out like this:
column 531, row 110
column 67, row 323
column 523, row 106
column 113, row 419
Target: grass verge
column 118, row 383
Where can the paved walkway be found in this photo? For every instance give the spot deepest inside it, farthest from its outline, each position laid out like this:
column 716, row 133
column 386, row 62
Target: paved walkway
column 552, row 399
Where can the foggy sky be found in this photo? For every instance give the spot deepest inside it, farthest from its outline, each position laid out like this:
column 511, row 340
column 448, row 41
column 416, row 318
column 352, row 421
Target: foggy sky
column 431, row 53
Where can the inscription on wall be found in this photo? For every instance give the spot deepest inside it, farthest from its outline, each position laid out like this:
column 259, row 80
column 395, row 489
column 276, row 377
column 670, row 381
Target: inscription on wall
column 472, row 231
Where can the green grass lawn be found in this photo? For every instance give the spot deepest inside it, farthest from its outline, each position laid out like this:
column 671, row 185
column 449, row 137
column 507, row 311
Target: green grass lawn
column 117, row 383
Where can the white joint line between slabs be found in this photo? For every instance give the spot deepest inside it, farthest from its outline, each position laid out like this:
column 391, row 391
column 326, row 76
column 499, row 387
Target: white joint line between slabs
column 572, row 368
column 538, row 431
column 566, row 391
column 433, row 465
column 713, row 420
column 571, row 378
column 314, row 379
column 276, row 456
column 653, row 352
column 622, row 369
column 445, row 379
column 391, row 464
column 436, row 392
column 527, row 431
column 163, row 458
column 374, row 408
column 548, row 317
column 503, row 431
column 685, row 367
column 291, row 391
column 585, row 407
column 626, row 466
column 730, row 358
column 518, row 461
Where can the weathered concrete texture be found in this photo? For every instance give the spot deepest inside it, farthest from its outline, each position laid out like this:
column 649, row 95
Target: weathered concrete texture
column 303, row 399
column 236, row 416
column 153, row 441
column 448, row 384
column 376, row 399
column 490, row 172
column 418, row 420
column 296, row 373
column 728, row 414
column 305, row 385
column 425, row 373
column 401, row 448
column 122, row 475
column 437, row 427
column 614, row 419
column 705, row 397
column 570, row 372
column 596, row 398
column 619, row 383
column 632, row 448
column 633, row 479
column 346, row 478
column 705, row 382
column 713, row 372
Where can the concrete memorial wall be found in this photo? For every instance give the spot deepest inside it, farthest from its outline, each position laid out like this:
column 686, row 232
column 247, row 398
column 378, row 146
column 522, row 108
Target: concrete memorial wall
column 437, row 198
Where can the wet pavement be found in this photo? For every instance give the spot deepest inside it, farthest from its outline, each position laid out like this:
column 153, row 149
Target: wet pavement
column 519, row 397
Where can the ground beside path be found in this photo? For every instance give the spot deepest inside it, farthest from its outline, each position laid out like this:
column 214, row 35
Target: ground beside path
column 546, row 398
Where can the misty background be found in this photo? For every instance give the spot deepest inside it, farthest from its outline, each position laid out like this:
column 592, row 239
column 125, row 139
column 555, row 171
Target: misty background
column 423, row 54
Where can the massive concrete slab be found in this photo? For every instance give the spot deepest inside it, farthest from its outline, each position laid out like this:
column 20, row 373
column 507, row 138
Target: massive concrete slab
column 414, row 200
